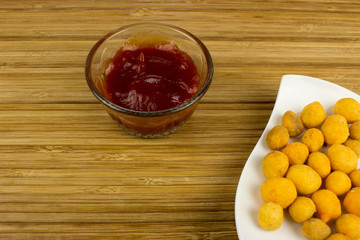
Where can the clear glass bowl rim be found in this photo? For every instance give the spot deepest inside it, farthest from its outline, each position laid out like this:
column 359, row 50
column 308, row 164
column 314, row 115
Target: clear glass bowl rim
column 195, row 98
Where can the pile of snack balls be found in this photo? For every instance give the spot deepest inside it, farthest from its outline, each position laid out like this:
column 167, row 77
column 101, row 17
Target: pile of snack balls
column 314, row 177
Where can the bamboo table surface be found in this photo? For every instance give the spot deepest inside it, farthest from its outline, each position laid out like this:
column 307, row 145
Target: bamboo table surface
column 68, row 172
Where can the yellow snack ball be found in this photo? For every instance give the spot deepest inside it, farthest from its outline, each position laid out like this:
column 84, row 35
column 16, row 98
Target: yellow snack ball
column 275, row 164
column 327, row 204
column 315, row 229
column 297, row 152
column 355, row 178
column 277, row 138
column 306, row 179
column 313, row 138
column 355, row 130
column 349, row 108
column 293, row 123
column 348, row 224
column 354, row 145
column 320, row 163
column 335, row 129
column 278, row 190
column 342, row 158
column 313, row 115
column 270, row 216
column 338, row 236
column 338, row 182
column 352, row 201
column 302, row 209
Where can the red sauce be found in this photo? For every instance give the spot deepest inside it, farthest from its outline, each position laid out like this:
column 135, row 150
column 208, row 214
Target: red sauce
column 151, row 78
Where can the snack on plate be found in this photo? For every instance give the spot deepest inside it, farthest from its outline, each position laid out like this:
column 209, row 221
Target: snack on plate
column 327, row 205
column 355, row 177
column 278, row 190
column 338, row 182
column 315, row 229
column 306, row 179
column 352, row 201
column 293, row 123
column 342, row 158
column 297, row 153
column 309, row 183
column 349, row 108
column 312, row 115
column 335, row 129
column 354, row 145
column 313, row 138
column 355, row 130
column 320, row 163
column 349, row 224
column 277, row 138
column 302, row 209
column 270, row 216
column 275, row 164
column 338, row 236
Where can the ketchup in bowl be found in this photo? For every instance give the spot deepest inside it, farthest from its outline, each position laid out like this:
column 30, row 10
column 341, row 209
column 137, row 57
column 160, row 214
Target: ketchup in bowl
column 151, row 78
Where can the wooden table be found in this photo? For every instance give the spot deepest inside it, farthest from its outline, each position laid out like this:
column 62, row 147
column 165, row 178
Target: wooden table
column 68, row 172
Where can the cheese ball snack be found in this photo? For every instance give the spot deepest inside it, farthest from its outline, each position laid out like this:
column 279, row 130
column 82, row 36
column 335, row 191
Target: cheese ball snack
column 302, row 209
column 307, row 167
column 338, row 182
column 355, row 178
column 355, row 130
column 327, row 205
column 275, row 164
column 313, row 138
column 306, row 179
column 352, row 201
column 338, row 236
column 278, row 190
column 349, row 108
column 320, row 163
column 277, row 138
column 315, row 229
column 270, row 216
column 296, row 152
column 335, row 129
column 312, row 115
column 348, row 224
column 354, row 145
column 342, row 158
column 293, row 123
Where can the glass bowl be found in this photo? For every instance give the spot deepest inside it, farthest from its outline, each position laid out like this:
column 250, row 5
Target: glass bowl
column 148, row 124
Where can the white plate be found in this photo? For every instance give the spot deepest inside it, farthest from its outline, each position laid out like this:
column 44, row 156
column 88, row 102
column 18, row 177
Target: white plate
column 295, row 92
